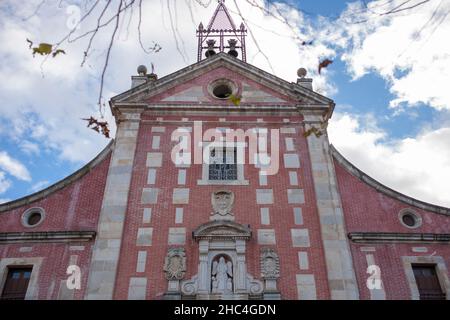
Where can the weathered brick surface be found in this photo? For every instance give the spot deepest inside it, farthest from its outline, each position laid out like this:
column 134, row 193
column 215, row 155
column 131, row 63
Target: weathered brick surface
column 367, row 210
column 199, row 208
column 202, row 82
column 76, row 207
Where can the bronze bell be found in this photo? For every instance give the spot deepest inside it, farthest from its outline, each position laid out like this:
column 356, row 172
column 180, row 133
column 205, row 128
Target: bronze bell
column 210, row 52
column 233, row 52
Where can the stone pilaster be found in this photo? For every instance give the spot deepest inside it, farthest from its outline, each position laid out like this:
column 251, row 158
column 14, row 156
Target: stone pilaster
column 341, row 274
column 106, row 251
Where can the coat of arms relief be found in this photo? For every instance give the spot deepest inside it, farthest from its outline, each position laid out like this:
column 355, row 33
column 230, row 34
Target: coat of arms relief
column 222, row 202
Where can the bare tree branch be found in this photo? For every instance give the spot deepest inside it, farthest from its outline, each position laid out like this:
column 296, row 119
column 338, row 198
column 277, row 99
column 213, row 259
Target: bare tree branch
column 38, row 8
column 105, row 66
column 253, row 37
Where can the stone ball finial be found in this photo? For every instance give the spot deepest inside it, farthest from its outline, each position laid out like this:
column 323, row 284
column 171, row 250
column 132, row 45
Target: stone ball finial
column 301, row 73
column 142, row 70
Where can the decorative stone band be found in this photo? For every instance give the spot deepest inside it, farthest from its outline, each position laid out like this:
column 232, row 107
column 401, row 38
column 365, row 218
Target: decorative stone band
column 389, row 237
column 307, row 98
column 382, row 188
column 45, row 237
column 220, row 230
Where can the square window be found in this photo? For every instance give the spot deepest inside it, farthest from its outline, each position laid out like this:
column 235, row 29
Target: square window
column 223, row 164
column 428, row 282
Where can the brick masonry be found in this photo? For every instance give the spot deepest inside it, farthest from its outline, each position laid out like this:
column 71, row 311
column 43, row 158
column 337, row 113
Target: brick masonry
column 141, row 204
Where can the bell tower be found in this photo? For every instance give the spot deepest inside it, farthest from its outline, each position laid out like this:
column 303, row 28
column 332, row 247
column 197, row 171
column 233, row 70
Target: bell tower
column 221, row 35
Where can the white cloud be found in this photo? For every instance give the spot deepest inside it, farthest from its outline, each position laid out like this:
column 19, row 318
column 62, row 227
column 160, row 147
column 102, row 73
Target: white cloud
column 417, row 166
column 44, row 113
column 4, row 183
column 4, row 200
column 410, row 50
column 39, row 185
column 47, row 111
column 30, row 148
column 14, row 167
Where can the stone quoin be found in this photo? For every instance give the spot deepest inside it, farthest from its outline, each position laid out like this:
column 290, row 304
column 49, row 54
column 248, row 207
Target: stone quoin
column 212, row 189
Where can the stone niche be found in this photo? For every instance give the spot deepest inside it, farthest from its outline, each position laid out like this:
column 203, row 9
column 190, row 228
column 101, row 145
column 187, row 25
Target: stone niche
column 222, row 270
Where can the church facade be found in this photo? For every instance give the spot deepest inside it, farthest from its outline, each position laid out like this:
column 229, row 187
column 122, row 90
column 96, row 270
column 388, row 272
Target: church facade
column 221, row 184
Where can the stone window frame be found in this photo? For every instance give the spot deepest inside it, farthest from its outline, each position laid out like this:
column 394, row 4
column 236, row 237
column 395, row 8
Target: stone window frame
column 417, row 218
column 33, row 285
column 441, row 271
column 222, row 81
column 222, row 154
column 26, row 215
column 240, row 149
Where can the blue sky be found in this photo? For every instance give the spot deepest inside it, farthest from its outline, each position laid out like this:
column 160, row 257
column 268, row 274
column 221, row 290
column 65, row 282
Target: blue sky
column 389, row 80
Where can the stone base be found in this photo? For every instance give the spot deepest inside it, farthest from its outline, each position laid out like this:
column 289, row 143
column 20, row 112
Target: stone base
column 218, row 296
column 218, row 217
column 172, row 296
column 272, row 296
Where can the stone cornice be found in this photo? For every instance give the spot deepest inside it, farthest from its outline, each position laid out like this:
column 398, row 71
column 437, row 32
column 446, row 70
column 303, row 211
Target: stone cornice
column 46, row 237
column 214, row 108
column 222, row 230
column 60, row 184
column 395, row 237
column 383, row 189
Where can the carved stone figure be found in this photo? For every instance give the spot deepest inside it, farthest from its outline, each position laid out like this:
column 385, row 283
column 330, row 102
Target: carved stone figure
column 270, row 264
column 175, row 264
column 222, row 203
column 221, row 276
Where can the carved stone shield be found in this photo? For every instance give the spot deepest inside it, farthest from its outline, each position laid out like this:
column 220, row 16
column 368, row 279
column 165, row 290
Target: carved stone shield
column 270, row 264
column 222, row 202
column 175, row 264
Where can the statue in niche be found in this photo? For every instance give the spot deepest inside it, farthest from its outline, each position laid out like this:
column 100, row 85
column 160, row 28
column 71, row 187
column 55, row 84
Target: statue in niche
column 222, row 276
column 222, row 203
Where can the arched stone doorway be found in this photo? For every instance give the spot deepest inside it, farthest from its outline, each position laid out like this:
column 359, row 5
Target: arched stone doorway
column 222, row 270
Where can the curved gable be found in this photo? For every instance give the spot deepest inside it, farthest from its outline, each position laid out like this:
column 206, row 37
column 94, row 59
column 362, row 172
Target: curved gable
column 369, row 206
column 72, row 203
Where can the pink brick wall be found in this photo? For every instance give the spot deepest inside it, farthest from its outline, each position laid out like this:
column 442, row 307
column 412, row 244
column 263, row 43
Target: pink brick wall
column 199, row 208
column 203, row 81
column 367, row 210
column 76, row 207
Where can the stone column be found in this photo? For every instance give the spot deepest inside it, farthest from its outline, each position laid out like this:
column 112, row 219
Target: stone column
column 240, row 271
column 203, row 275
column 341, row 274
column 106, row 251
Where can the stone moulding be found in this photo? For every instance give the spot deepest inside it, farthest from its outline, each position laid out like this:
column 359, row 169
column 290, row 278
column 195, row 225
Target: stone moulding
column 217, row 230
column 382, row 188
column 60, row 184
column 46, row 237
column 390, row 237
column 151, row 88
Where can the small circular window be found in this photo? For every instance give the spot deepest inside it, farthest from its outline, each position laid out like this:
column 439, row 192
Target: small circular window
column 33, row 217
column 222, row 89
column 410, row 218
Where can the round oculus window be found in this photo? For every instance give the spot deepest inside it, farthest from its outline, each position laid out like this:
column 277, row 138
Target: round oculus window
column 222, row 89
column 33, row 217
column 410, row 218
